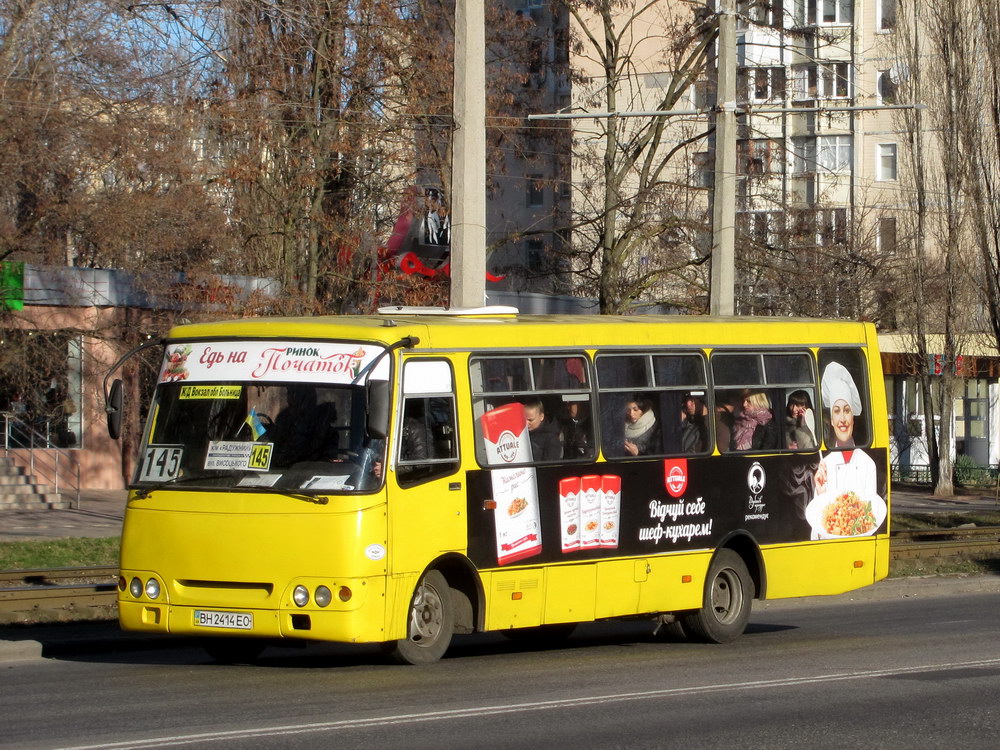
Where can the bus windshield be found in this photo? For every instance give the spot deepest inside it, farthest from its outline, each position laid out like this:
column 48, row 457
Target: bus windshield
column 250, row 427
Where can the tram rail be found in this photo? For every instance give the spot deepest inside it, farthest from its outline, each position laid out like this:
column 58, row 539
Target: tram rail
column 47, row 593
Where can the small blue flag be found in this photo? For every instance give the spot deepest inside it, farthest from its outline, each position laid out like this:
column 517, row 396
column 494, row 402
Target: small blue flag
column 256, row 426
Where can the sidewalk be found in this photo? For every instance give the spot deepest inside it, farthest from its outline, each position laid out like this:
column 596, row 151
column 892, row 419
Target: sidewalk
column 101, row 511
column 99, row 514
column 917, row 499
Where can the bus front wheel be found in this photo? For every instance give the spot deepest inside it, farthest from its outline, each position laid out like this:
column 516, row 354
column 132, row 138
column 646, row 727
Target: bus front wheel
column 728, row 599
column 431, row 622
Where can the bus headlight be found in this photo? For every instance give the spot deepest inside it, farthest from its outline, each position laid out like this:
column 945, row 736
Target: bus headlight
column 135, row 588
column 323, row 596
column 152, row 588
column 300, row 595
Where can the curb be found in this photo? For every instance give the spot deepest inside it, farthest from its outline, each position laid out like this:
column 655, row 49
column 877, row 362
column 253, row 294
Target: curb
column 15, row 651
column 71, row 639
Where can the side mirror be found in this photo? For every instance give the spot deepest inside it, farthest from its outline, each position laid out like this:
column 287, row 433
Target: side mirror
column 378, row 408
column 113, row 407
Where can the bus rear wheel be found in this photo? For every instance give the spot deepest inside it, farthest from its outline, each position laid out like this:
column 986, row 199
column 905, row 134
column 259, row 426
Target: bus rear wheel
column 728, row 599
column 431, row 622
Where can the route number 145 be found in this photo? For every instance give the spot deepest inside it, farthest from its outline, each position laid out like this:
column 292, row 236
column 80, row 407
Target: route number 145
column 162, row 462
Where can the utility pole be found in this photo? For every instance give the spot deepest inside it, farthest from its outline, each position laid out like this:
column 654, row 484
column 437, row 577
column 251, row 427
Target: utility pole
column 468, row 180
column 723, row 279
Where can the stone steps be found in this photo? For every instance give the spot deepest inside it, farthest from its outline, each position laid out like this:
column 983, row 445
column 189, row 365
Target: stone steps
column 21, row 491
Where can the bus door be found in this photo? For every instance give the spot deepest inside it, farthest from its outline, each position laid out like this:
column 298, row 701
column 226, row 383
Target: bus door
column 426, row 494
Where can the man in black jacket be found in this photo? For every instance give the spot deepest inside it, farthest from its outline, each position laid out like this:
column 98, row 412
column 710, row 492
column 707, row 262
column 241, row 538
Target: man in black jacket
column 546, row 440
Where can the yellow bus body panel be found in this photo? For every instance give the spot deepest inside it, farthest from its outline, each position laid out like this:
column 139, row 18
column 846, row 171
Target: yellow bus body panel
column 833, row 567
column 249, row 559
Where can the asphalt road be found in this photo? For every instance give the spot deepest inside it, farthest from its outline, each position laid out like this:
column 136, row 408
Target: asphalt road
column 914, row 664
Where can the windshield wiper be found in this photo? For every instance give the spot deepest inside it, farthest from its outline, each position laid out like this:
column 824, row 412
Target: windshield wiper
column 299, row 496
column 147, row 491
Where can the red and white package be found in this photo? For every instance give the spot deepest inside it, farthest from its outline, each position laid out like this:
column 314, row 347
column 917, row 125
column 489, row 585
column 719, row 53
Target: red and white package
column 611, row 503
column 569, row 513
column 590, row 512
column 518, row 530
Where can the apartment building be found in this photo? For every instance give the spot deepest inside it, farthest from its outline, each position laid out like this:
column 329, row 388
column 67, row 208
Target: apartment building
column 822, row 197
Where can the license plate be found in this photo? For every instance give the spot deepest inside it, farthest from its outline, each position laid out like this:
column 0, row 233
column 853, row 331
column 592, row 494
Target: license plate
column 207, row 618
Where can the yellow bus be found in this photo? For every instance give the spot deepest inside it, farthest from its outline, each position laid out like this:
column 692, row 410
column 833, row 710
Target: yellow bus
column 401, row 477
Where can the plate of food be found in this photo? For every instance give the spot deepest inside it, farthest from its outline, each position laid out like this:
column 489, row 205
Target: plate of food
column 836, row 515
column 517, row 507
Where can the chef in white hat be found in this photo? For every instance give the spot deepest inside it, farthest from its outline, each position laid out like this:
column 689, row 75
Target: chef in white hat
column 843, row 470
column 841, row 397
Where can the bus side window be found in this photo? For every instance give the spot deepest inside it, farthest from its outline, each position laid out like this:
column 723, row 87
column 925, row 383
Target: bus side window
column 427, row 446
column 551, row 393
column 642, row 402
column 845, row 407
column 760, row 398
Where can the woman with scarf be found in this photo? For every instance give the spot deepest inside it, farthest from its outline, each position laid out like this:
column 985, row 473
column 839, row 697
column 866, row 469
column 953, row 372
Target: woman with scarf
column 754, row 427
column 641, row 429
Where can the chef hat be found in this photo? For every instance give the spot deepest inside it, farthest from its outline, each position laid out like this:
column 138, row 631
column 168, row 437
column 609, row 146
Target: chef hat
column 838, row 385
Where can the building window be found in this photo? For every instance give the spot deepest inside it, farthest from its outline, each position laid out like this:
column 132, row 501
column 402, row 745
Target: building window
column 887, row 88
column 702, row 169
column 830, row 80
column 761, row 84
column 834, row 80
column 834, row 152
column 534, row 255
column 885, row 15
column 834, row 11
column 810, row 12
column 761, row 227
column 804, row 155
column 761, row 12
column 832, row 226
column 536, row 193
column 885, row 169
column 887, row 235
column 759, row 156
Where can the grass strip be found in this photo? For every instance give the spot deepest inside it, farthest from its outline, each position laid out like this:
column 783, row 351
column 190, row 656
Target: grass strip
column 59, row 553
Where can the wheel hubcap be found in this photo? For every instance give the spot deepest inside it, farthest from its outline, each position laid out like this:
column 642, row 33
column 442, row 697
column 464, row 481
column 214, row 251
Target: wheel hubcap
column 727, row 596
column 425, row 620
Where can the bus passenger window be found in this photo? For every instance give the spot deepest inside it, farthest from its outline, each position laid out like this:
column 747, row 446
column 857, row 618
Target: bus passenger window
column 764, row 404
column 548, row 405
column 845, row 409
column 652, row 404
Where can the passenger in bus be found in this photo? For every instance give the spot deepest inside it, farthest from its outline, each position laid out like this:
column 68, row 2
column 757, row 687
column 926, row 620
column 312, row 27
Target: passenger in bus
column 641, row 428
column 799, row 421
column 546, row 440
column 754, row 427
column 576, row 430
column 726, row 403
column 694, row 428
column 843, row 470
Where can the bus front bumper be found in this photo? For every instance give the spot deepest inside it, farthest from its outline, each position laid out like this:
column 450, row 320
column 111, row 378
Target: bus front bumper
column 359, row 620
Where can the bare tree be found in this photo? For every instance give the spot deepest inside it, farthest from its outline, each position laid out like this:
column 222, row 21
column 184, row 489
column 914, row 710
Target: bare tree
column 632, row 230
